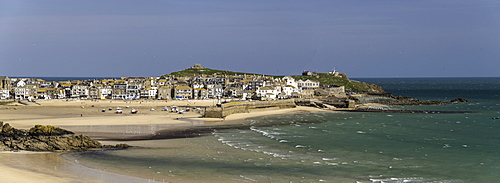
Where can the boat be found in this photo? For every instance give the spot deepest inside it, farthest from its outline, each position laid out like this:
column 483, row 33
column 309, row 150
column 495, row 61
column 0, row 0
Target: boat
column 134, row 111
column 119, row 111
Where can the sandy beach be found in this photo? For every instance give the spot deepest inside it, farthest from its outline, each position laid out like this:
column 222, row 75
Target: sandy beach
column 83, row 114
column 19, row 174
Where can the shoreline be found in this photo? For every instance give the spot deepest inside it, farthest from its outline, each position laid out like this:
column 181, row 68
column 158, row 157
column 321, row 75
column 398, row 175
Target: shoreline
column 72, row 115
column 51, row 167
column 20, row 173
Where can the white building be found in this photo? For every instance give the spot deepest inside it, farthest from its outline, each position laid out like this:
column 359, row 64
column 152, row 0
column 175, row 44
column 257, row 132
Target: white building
column 105, row 92
column 288, row 90
column 290, row 81
column 268, row 93
column 149, row 92
column 307, row 84
column 19, row 83
column 79, row 91
column 4, row 94
column 25, row 92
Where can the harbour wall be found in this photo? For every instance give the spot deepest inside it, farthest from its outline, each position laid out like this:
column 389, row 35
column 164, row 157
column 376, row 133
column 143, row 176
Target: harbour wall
column 246, row 107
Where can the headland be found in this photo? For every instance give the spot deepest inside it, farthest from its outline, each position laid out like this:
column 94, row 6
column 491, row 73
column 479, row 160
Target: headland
column 118, row 109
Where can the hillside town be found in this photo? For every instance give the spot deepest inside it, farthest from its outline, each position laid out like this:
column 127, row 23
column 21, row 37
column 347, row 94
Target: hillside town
column 168, row 87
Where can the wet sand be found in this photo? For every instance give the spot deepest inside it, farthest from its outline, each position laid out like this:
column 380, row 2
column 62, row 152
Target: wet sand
column 86, row 117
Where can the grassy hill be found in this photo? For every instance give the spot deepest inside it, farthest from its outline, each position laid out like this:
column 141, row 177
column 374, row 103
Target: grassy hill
column 205, row 71
column 350, row 85
column 323, row 78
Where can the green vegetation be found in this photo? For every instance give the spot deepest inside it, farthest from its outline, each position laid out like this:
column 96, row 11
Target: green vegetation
column 325, row 79
column 350, row 85
column 204, row 71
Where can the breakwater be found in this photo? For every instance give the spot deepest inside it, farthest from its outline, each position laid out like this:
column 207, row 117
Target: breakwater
column 245, row 107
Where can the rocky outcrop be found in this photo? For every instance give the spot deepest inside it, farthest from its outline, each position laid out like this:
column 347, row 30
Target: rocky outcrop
column 46, row 138
column 402, row 100
column 389, row 99
column 457, row 100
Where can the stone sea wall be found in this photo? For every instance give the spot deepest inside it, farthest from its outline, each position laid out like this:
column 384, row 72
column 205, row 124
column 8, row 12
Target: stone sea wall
column 245, row 107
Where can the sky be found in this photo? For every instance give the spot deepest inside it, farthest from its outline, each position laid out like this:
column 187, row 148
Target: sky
column 362, row 38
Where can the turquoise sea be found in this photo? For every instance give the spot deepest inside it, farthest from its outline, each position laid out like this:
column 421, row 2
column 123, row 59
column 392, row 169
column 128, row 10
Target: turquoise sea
column 336, row 147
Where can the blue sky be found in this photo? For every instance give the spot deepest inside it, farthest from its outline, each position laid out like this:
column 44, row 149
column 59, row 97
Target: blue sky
column 369, row 38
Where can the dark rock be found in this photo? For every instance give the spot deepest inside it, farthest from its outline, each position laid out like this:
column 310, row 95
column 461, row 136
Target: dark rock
column 46, row 138
column 118, row 146
column 6, row 128
column 459, row 100
column 48, row 130
column 389, row 99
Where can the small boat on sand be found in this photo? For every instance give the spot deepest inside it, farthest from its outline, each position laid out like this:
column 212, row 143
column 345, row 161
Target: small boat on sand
column 119, row 111
column 134, row 111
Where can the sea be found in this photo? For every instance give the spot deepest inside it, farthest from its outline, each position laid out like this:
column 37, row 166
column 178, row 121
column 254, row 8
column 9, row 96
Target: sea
column 338, row 146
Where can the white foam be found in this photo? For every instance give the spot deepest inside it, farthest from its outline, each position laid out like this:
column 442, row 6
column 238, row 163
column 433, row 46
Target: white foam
column 409, row 179
column 329, row 159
